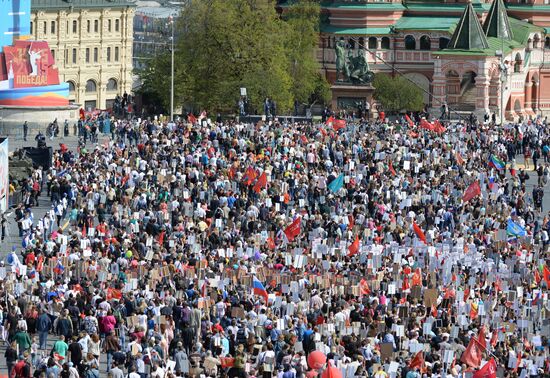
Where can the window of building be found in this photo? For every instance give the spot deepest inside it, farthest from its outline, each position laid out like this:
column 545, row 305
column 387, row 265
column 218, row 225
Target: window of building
column 53, row 54
column 116, row 54
column 443, row 43
column 108, row 54
column 87, row 55
column 90, row 105
column 67, row 56
column 52, row 27
column 91, row 86
column 425, row 43
column 45, row 28
column 96, row 26
column 75, row 26
column 117, row 25
column 71, row 86
column 88, row 26
column 385, row 43
column 517, row 63
column 547, row 42
column 96, row 55
column 112, row 85
column 410, row 43
column 32, row 28
column 74, row 56
column 372, row 43
column 109, row 25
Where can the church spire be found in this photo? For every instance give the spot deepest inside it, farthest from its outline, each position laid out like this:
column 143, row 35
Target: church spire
column 468, row 33
column 496, row 24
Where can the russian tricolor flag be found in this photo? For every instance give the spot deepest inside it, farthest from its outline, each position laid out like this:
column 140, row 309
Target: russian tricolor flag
column 259, row 288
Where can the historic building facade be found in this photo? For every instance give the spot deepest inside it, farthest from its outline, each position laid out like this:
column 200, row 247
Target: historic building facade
column 468, row 55
column 91, row 42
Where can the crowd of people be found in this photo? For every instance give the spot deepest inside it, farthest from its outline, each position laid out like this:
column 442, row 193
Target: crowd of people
column 341, row 249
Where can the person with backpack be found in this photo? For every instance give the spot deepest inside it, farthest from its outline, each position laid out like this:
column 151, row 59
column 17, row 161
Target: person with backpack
column 22, row 368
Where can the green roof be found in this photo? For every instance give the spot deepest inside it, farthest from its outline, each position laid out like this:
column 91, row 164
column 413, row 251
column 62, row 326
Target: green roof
column 522, row 29
column 427, row 23
column 444, row 8
column 496, row 23
column 355, row 31
column 468, row 34
column 79, row 4
column 493, row 43
column 528, row 8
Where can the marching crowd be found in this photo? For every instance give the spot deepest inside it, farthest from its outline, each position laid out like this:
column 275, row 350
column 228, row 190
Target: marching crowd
column 342, row 249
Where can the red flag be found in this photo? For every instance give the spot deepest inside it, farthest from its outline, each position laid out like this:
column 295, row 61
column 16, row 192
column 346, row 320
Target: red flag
column 546, row 274
column 392, row 170
column 426, row 125
column 338, row 124
column 481, row 338
column 405, row 285
column 489, row 370
column 191, row 118
column 472, row 354
column 434, row 311
column 249, row 176
column 418, row 231
column 473, row 191
column 354, row 247
column 417, row 361
column 84, row 233
column 438, row 127
column 294, row 229
column 364, row 287
column 329, row 120
column 409, row 121
column 261, row 183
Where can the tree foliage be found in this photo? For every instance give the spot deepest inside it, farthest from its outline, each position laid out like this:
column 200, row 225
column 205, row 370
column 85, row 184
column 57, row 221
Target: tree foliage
column 397, row 93
column 225, row 45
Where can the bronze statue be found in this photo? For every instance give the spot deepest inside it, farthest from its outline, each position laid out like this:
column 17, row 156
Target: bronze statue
column 354, row 69
column 340, row 50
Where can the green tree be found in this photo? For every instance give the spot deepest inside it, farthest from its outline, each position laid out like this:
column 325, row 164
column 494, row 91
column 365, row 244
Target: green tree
column 397, row 94
column 225, row 45
column 302, row 19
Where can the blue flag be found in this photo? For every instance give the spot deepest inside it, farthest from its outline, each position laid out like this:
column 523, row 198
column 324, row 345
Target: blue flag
column 336, row 184
column 514, row 229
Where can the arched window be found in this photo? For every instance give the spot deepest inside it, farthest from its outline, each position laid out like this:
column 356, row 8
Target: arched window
column 425, row 43
column 385, row 43
column 351, row 43
column 112, row 85
column 72, row 87
column 372, row 43
column 361, row 43
column 547, row 42
column 410, row 43
column 91, row 86
column 443, row 43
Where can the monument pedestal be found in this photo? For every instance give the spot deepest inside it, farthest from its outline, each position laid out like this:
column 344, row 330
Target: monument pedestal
column 347, row 95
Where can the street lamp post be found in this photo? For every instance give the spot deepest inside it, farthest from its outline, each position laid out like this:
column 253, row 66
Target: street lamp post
column 172, row 73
